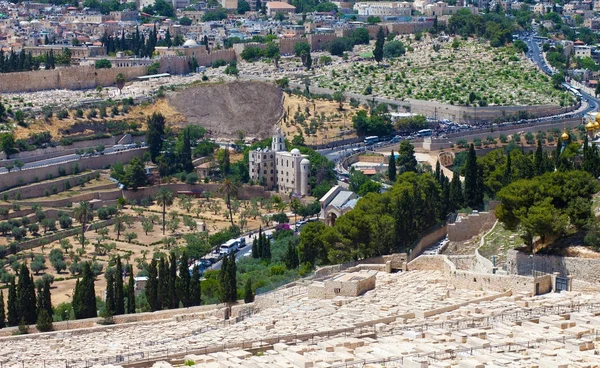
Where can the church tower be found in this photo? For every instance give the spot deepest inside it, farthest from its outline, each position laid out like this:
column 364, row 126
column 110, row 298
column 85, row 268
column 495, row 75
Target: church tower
column 278, row 143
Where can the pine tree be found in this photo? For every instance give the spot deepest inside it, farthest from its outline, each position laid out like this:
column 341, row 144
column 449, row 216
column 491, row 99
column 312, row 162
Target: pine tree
column 163, row 284
column 119, row 295
column 392, row 167
column 13, row 309
column 26, row 296
column 248, row 295
column 152, row 287
column 195, row 287
column 232, row 278
column 378, row 51
column 456, row 197
column 173, row 297
column 472, row 193
column 183, row 288
column 109, row 308
column 2, row 313
column 131, row 292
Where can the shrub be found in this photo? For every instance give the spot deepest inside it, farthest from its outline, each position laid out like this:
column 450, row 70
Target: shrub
column 62, row 114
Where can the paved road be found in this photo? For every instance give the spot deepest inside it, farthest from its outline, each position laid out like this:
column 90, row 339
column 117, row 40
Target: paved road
column 244, row 252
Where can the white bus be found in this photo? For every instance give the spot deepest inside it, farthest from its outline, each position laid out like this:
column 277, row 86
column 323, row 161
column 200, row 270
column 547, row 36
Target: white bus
column 371, row 140
column 231, row 246
column 424, row 133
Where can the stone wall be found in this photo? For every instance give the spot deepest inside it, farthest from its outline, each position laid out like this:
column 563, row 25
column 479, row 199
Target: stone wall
column 408, row 27
column 472, row 225
column 14, row 178
column 465, row 114
column 38, row 189
column 427, row 240
column 207, row 60
column 80, row 77
column 585, row 269
column 464, row 263
column 244, row 192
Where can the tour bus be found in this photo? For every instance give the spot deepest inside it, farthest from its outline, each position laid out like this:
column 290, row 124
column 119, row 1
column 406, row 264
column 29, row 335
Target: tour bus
column 371, row 140
column 425, row 133
column 231, row 246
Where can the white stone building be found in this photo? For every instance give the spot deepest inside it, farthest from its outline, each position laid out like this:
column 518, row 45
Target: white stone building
column 287, row 172
column 384, row 8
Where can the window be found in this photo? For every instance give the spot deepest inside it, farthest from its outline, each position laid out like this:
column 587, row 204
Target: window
column 336, row 290
column 264, row 157
column 292, row 164
column 271, row 171
column 287, row 164
column 265, row 172
column 271, row 178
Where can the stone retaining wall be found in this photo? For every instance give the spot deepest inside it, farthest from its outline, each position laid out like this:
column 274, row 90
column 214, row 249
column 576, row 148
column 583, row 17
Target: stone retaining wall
column 14, row 178
column 471, row 225
column 244, row 192
column 586, row 269
column 427, row 240
column 38, row 189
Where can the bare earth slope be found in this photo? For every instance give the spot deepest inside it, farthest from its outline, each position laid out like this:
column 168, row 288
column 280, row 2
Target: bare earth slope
column 224, row 109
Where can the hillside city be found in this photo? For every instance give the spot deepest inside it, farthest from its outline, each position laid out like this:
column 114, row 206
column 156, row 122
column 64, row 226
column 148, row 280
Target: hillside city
column 300, row 183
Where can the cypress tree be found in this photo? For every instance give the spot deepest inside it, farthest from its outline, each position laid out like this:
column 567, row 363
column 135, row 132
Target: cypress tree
column 109, row 309
column 173, row 297
column 152, row 286
column 255, row 248
column 131, row 293
column 507, row 170
column 232, row 278
column 378, row 51
column 183, row 288
column 471, row 190
column 163, row 285
column 224, row 279
column 186, row 152
column 2, row 314
column 266, row 248
column 557, row 153
column 538, row 159
column 119, row 295
column 195, row 287
column 13, row 309
column 44, row 321
column 76, row 302
column 26, row 296
column 456, row 197
column 248, row 295
column 438, row 172
column 45, row 300
column 392, row 167
column 446, row 203
column 86, row 295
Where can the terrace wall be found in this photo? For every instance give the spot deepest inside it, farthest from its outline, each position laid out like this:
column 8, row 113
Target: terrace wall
column 586, row 269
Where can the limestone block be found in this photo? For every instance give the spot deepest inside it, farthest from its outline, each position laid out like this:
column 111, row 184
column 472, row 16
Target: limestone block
column 411, row 363
column 553, row 364
column 470, row 363
column 280, row 346
column 162, row 364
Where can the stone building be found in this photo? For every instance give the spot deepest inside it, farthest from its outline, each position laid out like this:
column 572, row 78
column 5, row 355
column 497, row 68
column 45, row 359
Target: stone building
column 278, row 169
column 344, row 284
column 335, row 203
column 384, row 8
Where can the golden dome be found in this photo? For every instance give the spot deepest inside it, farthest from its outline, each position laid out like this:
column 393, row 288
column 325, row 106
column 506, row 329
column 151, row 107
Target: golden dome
column 565, row 136
column 598, row 117
column 590, row 125
column 596, row 125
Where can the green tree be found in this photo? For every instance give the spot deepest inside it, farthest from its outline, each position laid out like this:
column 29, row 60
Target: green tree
column 184, row 281
column 2, row 312
column 195, row 292
column 103, row 64
column 185, row 156
column 406, row 157
column 13, row 315
column 109, row 306
column 135, row 174
column 473, row 194
column 248, row 294
column 119, row 292
column 379, row 43
column 120, row 81
column 229, row 188
column 154, row 134
column 243, row 7
column 152, row 286
column 339, row 97
column 84, row 214
column 84, row 297
column 26, row 296
column 164, row 198
column 131, row 292
column 311, row 247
